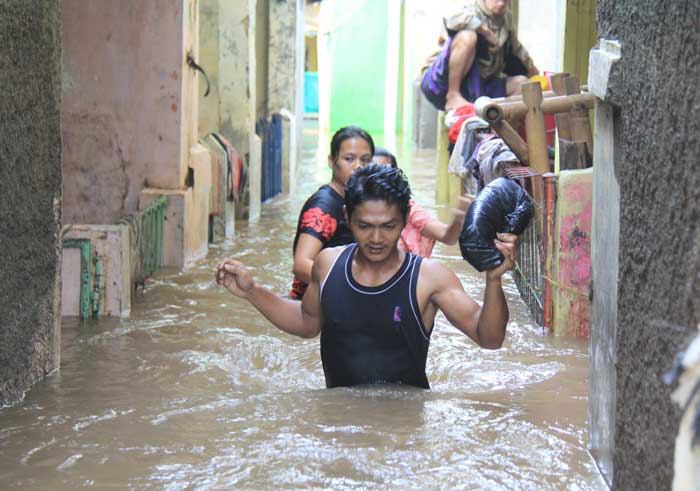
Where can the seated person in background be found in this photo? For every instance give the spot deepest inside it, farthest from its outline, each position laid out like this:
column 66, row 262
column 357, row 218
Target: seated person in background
column 422, row 229
column 321, row 221
column 481, row 56
column 373, row 304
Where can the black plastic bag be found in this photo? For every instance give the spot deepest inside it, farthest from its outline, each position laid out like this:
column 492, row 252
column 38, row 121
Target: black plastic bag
column 501, row 207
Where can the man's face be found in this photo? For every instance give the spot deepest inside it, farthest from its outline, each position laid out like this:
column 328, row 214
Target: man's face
column 376, row 226
column 497, row 7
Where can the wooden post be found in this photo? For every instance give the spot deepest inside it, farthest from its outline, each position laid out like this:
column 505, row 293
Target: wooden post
column 442, row 192
column 535, row 128
column 562, row 120
column 580, row 124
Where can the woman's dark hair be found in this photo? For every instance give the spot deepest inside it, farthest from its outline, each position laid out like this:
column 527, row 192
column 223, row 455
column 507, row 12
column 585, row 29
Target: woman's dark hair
column 383, row 152
column 345, row 133
column 378, row 182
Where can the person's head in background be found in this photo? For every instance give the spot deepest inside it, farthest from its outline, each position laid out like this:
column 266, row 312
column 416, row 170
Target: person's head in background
column 351, row 148
column 497, row 7
column 384, row 157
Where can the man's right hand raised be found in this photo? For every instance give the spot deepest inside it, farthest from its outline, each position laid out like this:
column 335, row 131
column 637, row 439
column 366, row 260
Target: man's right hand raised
column 235, row 277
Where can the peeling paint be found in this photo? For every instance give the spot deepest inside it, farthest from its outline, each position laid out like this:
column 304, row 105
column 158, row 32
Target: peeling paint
column 572, row 282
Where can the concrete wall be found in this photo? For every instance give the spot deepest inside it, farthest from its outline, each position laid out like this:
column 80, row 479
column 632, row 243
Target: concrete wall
column 234, row 65
column 286, row 84
column 30, row 172
column 253, row 52
column 111, row 243
column 262, row 64
column 604, row 276
column 186, row 213
column 209, row 110
column 655, row 91
column 122, row 117
column 189, row 129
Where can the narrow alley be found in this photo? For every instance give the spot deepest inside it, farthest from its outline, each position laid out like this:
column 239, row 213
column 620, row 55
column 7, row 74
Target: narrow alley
column 156, row 155
column 198, row 391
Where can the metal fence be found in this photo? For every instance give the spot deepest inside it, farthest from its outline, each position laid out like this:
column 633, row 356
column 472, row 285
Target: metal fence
column 532, row 271
column 152, row 236
column 270, row 132
column 85, row 248
column 529, row 271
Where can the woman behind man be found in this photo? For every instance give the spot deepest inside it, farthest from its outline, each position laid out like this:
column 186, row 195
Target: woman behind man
column 321, row 221
column 422, row 229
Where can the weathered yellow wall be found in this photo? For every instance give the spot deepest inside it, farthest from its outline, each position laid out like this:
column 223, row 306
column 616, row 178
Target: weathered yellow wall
column 311, row 44
column 579, row 37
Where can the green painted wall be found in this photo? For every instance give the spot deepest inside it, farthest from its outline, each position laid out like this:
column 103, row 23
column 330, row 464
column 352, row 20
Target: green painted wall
column 358, row 44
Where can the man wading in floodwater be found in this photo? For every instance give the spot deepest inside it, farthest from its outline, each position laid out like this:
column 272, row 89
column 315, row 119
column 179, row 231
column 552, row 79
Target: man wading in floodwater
column 375, row 305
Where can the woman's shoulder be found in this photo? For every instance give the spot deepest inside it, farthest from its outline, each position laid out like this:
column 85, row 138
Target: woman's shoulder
column 418, row 215
column 326, row 197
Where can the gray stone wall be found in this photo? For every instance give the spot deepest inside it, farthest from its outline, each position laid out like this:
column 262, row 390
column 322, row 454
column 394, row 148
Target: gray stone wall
column 30, row 201
column 659, row 258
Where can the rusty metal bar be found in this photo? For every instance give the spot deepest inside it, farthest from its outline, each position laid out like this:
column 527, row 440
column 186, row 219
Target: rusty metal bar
column 549, row 211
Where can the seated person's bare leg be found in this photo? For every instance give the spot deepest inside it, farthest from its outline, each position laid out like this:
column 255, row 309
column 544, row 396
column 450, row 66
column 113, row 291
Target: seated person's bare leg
column 513, row 84
column 462, row 54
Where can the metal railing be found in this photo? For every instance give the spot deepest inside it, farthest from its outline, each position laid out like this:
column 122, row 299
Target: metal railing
column 529, row 271
column 86, row 297
column 532, row 270
column 152, row 236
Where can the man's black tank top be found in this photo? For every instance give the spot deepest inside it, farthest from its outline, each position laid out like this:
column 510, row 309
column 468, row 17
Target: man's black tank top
column 372, row 335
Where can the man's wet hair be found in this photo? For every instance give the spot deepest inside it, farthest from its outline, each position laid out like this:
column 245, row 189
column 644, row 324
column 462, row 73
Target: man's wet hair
column 349, row 132
column 383, row 152
column 377, row 182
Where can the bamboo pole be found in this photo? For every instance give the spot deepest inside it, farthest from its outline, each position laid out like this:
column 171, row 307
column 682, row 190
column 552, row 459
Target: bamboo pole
column 535, row 128
column 442, row 185
column 519, row 97
column 545, row 94
column 491, row 111
column 513, row 140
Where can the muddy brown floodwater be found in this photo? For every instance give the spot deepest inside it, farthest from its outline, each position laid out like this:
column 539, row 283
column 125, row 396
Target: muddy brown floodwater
column 197, row 391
